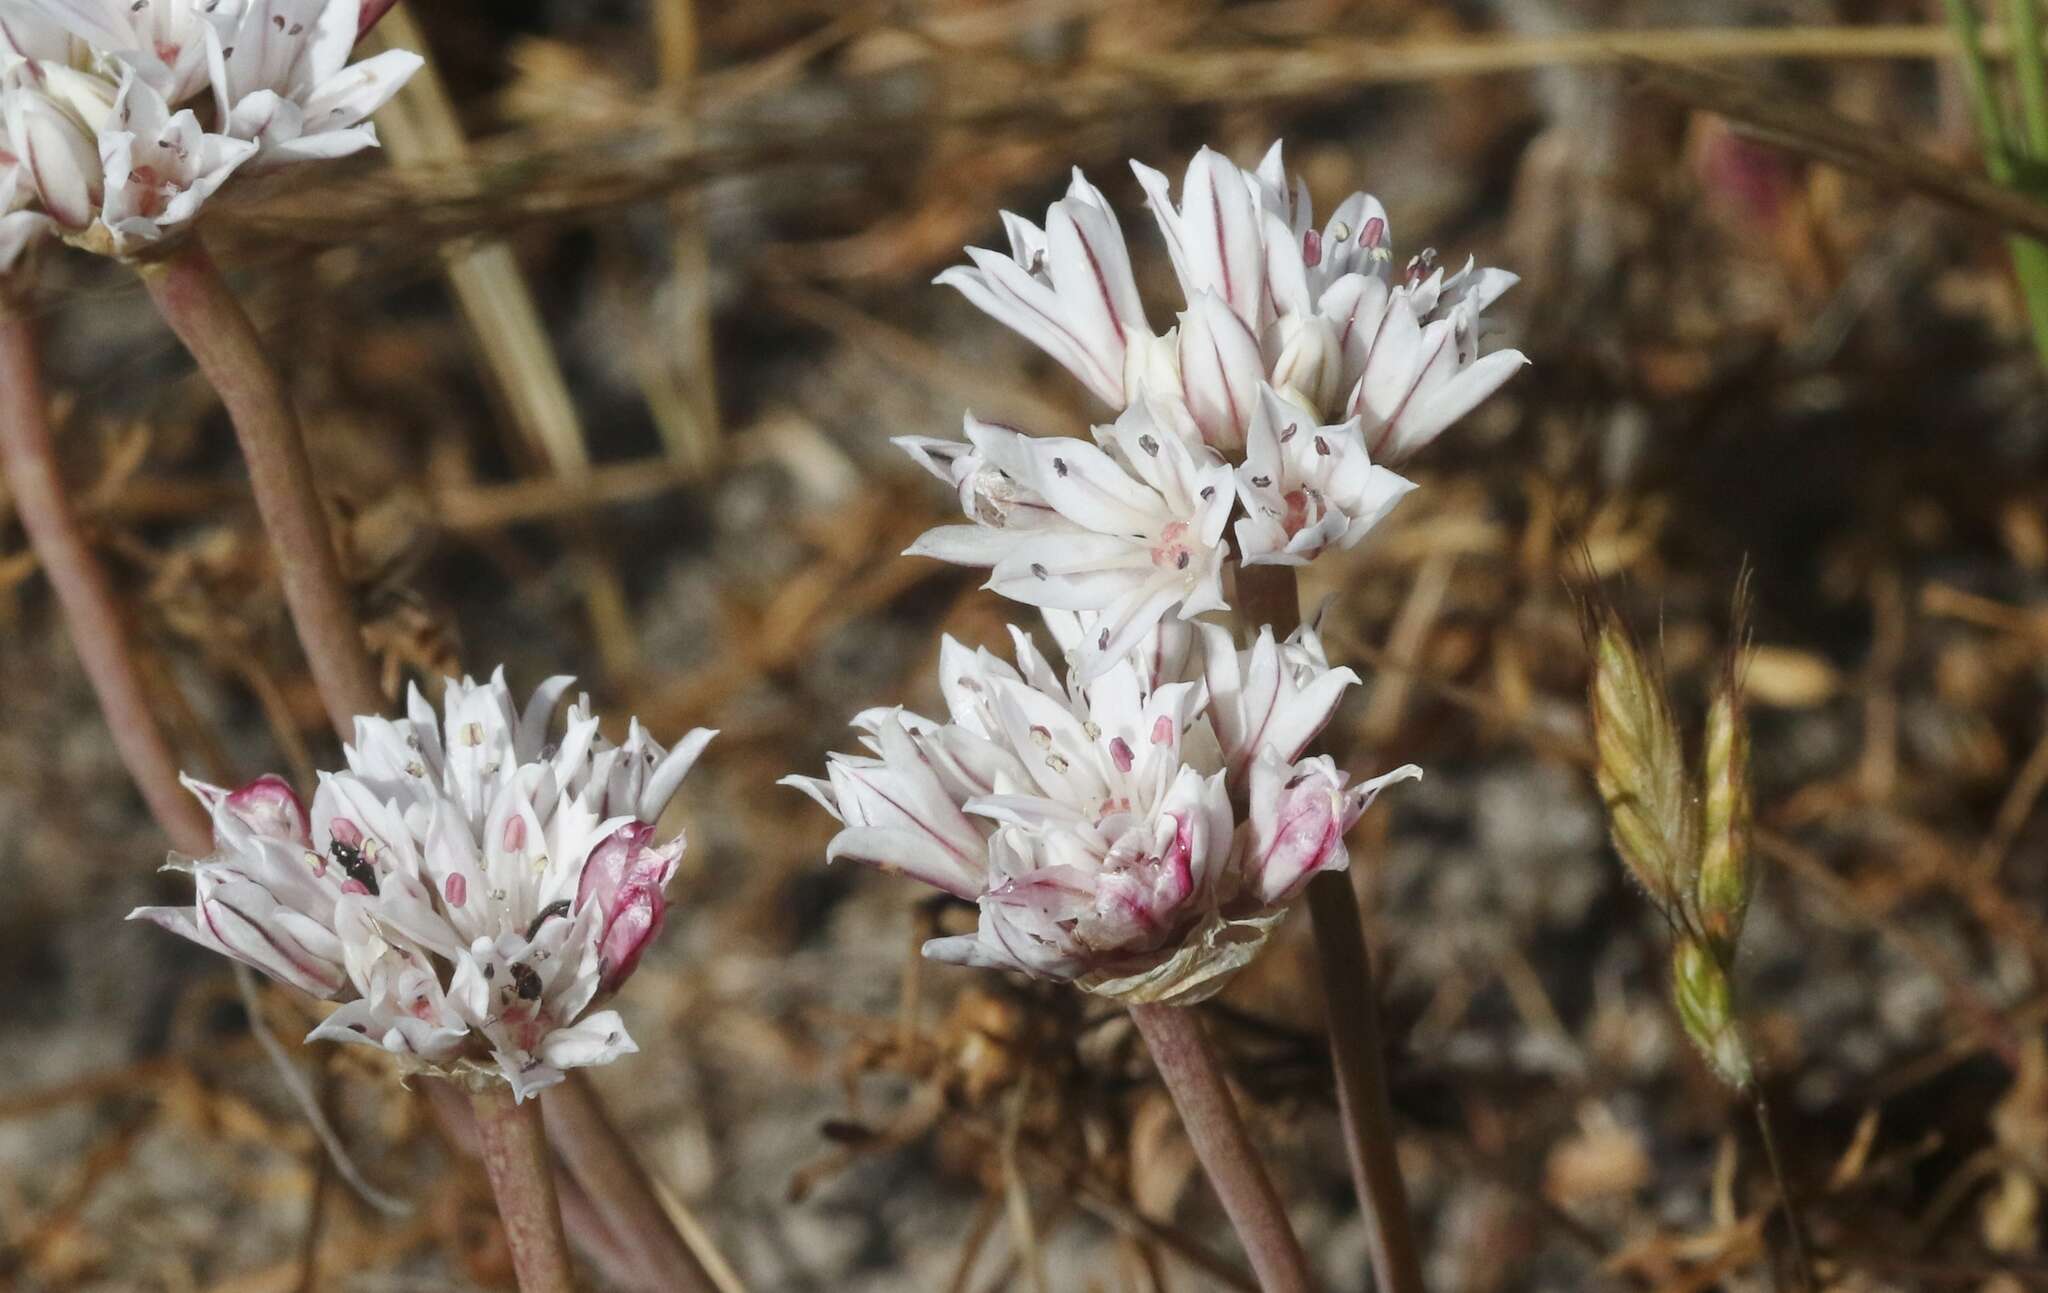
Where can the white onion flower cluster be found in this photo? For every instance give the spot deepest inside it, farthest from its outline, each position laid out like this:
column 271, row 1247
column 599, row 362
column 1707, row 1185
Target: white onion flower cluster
column 1137, row 823
column 1137, row 834
column 1303, row 367
column 468, row 888
column 120, row 118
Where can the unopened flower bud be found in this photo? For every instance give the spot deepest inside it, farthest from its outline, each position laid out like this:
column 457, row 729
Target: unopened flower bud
column 1152, row 367
column 59, row 156
column 90, row 98
column 1299, row 816
column 269, row 806
column 1220, row 371
column 1310, row 369
column 1641, row 768
column 1706, row 1007
column 628, row 880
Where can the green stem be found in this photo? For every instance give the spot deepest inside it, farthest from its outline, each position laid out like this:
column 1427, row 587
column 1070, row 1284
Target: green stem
column 2025, row 18
column 2030, row 266
column 2029, row 257
column 1977, row 81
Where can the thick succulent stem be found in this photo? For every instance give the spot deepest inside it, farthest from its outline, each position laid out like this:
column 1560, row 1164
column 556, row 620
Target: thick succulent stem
column 515, row 1153
column 1188, row 1065
column 195, row 301
column 99, row 631
column 1268, row 595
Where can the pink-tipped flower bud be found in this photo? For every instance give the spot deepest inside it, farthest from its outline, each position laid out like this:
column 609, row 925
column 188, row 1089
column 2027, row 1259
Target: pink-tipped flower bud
column 628, row 881
column 59, row 158
column 1299, row 815
column 270, row 807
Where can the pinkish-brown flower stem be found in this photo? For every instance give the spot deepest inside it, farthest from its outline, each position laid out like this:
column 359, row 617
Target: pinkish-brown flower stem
column 98, row 629
column 515, row 1154
column 196, row 302
column 1188, row 1065
column 619, row 1188
column 1352, row 1014
column 1269, row 595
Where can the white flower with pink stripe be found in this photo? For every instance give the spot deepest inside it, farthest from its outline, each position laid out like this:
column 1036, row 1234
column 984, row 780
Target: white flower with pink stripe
column 467, row 888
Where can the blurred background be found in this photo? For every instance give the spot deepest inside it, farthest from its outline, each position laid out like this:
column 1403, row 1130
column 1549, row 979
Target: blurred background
column 599, row 359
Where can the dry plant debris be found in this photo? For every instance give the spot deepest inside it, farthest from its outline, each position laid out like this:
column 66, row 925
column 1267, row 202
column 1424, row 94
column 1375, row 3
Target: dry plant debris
column 1740, row 353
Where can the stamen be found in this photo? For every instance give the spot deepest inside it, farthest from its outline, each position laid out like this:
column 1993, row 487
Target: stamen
column 547, row 913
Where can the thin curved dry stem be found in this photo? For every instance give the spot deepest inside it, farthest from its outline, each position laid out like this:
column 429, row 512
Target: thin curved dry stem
column 1802, row 1257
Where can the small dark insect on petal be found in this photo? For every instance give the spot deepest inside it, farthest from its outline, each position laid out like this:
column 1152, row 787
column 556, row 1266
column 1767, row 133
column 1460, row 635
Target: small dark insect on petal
column 1263, row 482
column 1038, row 570
column 546, row 913
column 1208, row 492
column 1149, row 445
column 353, row 865
column 1181, row 562
column 1059, row 466
column 1322, row 446
column 525, row 981
column 1102, row 641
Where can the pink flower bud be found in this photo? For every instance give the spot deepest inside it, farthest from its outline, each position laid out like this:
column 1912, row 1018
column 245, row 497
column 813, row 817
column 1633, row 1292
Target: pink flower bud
column 1296, row 831
column 1299, row 815
column 59, row 157
column 270, row 807
column 627, row 880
